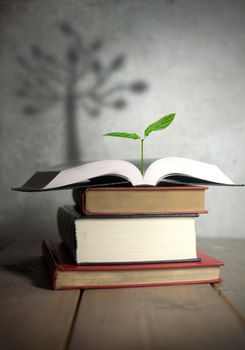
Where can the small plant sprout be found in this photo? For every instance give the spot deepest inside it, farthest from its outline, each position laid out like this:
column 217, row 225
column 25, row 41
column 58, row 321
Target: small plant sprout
column 160, row 124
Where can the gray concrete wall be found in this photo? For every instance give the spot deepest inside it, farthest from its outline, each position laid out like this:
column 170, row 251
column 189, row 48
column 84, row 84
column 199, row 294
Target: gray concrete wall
column 189, row 53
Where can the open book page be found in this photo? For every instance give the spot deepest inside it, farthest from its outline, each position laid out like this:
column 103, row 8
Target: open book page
column 170, row 170
column 99, row 168
column 186, row 167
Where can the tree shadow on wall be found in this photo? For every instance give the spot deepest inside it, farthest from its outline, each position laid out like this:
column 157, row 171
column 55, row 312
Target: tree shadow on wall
column 79, row 80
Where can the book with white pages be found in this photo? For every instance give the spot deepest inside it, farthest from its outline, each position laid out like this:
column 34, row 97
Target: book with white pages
column 110, row 172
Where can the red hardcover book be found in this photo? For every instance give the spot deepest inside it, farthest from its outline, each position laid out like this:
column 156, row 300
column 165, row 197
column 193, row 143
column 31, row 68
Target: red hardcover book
column 141, row 200
column 67, row 275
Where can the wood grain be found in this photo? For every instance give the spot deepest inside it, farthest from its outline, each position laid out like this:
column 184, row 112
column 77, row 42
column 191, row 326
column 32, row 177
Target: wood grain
column 32, row 315
column 231, row 251
column 183, row 317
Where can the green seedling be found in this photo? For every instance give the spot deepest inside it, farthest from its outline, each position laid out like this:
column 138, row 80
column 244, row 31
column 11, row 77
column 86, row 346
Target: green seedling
column 160, row 124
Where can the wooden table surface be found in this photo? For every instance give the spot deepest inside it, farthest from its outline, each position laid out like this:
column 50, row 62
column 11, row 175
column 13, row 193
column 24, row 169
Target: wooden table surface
column 180, row 317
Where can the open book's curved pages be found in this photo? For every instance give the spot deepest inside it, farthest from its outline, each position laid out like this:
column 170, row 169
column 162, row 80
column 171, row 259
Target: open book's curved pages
column 110, row 172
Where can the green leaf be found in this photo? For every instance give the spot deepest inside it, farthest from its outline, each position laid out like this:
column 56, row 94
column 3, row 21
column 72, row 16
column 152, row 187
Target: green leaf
column 160, row 124
column 123, row 134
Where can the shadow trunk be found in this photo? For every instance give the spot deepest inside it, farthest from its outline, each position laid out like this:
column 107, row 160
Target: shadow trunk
column 72, row 141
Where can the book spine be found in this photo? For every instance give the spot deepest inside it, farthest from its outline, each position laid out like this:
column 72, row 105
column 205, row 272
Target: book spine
column 66, row 229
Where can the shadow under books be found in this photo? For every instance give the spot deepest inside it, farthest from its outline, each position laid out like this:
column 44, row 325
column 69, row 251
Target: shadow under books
column 33, row 269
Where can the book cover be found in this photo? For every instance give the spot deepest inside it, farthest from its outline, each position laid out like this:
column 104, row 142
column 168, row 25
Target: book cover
column 66, row 275
column 141, row 200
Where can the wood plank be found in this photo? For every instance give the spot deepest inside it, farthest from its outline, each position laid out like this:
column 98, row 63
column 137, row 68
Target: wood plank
column 231, row 251
column 175, row 317
column 32, row 315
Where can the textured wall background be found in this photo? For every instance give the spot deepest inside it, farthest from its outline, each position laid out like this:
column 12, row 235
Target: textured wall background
column 190, row 53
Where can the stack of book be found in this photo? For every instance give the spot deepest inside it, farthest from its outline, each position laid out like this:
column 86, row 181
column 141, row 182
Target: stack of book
column 125, row 229
column 130, row 236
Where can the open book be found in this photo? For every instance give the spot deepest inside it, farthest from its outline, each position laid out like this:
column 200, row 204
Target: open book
column 110, row 172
